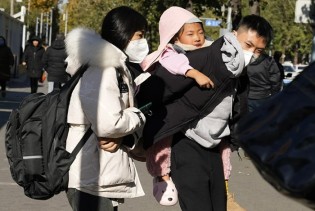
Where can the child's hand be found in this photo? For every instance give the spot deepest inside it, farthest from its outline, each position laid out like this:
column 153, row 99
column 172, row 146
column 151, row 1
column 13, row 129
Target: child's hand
column 204, row 81
column 200, row 78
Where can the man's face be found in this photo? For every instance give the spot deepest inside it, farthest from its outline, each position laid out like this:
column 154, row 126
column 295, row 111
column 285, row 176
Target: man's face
column 251, row 41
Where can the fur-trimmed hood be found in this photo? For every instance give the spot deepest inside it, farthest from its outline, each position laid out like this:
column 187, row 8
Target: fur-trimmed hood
column 85, row 46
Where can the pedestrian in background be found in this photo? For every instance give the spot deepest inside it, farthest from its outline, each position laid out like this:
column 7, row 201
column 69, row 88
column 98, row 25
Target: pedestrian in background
column 264, row 80
column 33, row 60
column 6, row 61
column 277, row 57
column 55, row 65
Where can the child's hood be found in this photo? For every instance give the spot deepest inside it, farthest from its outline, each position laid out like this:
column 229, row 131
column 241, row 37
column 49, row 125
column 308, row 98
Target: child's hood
column 170, row 23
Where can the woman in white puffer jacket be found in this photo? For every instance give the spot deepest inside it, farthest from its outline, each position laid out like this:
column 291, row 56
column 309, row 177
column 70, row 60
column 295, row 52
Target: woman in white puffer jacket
column 103, row 173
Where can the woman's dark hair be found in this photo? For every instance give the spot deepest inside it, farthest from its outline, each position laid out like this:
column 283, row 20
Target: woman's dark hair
column 258, row 24
column 120, row 24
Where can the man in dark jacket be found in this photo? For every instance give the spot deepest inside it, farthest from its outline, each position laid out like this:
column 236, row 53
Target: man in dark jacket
column 196, row 168
column 264, row 80
column 33, row 60
column 55, row 65
column 6, row 60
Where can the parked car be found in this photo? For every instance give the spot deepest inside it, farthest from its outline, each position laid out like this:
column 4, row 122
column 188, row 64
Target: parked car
column 300, row 67
column 286, row 81
column 289, row 71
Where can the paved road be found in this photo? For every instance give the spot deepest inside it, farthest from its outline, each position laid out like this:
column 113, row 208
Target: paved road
column 250, row 190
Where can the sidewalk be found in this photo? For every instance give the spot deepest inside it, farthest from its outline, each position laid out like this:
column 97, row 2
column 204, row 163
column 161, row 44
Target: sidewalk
column 250, row 190
column 17, row 89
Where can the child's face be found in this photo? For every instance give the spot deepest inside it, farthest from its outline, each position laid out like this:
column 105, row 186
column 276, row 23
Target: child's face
column 192, row 34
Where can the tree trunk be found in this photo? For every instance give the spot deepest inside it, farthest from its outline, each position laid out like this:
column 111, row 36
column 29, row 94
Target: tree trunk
column 236, row 12
column 254, row 7
column 189, row 6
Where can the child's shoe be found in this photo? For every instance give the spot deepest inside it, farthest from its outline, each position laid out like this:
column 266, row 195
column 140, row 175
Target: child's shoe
column 165, row 192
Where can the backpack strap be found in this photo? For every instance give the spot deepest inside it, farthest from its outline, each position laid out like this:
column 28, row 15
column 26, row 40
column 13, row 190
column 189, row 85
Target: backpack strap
column 81, row 70
column 89, row 132
column 86, row 136
column 70, row 85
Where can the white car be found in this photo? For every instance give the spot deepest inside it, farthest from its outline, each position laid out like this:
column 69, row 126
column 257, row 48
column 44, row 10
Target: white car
column 300, row 67
column 289, row 71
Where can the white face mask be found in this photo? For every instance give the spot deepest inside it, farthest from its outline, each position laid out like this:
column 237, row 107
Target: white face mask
column 137, row 50
column 247, row 56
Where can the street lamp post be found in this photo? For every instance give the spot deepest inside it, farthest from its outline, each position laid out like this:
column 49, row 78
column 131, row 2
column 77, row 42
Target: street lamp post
column 47, row 24
column 41, row 25
column 12, row 8
column 65, row 17
column 21, row 15
column 23, row 11
column 51, row 22
column 37, row 26
column 228, row 20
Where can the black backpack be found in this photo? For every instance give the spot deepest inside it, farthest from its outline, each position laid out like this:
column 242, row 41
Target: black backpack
column 35, row 141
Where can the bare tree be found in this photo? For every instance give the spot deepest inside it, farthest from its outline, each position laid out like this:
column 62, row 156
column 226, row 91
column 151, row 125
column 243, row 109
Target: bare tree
column 236, row 12
column 189, row 6
column 254, row 7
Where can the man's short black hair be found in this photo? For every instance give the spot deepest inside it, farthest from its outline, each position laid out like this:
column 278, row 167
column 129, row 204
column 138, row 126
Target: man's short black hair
column 258, row 24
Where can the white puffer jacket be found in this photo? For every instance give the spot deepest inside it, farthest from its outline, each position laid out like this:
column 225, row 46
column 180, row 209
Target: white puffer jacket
column 98, row 101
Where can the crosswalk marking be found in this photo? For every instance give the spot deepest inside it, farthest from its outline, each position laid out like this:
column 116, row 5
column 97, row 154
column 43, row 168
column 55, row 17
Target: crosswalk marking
column 5, row 110
column 7, row 183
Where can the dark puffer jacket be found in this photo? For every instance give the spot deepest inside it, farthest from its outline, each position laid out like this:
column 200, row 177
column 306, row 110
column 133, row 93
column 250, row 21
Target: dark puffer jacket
column 33, row 58
column 54, row 62
column 6, row 60
column 265, row 78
